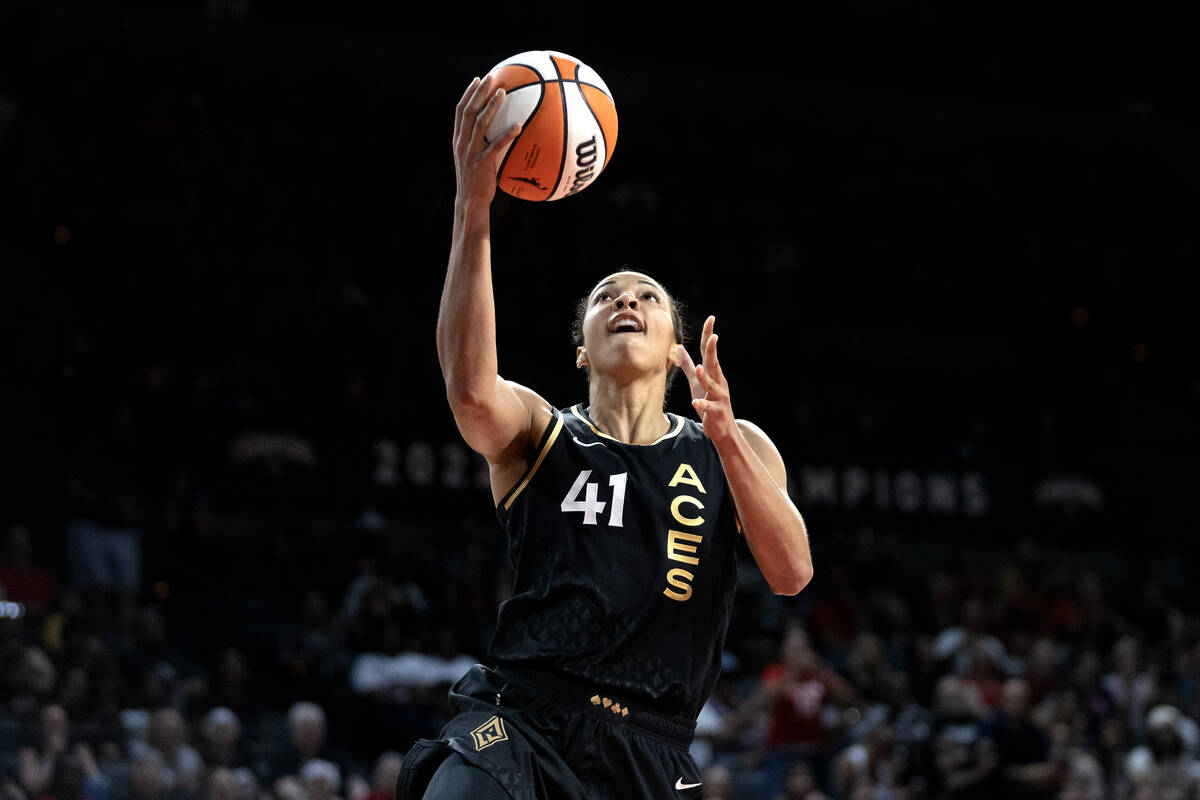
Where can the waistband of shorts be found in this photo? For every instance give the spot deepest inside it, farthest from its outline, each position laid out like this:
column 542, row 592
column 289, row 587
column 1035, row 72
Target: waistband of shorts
column 578, row 696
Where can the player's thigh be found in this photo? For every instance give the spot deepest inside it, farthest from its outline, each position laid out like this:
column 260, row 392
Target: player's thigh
column 459, row 779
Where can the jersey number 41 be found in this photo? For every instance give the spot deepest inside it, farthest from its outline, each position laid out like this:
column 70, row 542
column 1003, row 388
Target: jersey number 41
column 584, row 497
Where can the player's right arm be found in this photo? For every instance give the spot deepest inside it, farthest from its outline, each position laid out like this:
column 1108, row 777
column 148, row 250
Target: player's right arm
column 496, row 418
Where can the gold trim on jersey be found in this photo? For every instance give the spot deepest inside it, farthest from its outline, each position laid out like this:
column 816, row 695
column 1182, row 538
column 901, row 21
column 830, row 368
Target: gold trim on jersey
column 558, row 423
column 575, row 409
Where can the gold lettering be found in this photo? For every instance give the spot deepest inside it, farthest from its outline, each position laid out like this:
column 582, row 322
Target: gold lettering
column 683, row 547
column 679, row 579
column 676, row 546
column 678, row 515
column 685, row 474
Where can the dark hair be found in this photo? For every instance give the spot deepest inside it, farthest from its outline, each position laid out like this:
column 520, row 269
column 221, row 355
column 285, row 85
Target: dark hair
column 679, row 323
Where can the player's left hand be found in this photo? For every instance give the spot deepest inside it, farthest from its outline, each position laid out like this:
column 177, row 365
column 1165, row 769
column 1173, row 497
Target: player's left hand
column 710, row 391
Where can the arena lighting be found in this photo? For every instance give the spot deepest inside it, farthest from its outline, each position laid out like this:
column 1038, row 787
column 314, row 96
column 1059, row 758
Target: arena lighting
column 9, row 610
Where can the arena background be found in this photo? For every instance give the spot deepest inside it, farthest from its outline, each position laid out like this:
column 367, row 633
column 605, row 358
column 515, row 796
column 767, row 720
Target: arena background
column 952, row 257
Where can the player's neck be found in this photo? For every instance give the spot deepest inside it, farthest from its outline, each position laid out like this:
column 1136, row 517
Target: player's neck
column 631, row 413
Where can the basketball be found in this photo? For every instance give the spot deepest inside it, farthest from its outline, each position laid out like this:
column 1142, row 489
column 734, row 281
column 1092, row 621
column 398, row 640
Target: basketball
column 568, row 125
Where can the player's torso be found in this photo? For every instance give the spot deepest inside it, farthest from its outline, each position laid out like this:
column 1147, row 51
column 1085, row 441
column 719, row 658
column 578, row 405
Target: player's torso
column 625, row 557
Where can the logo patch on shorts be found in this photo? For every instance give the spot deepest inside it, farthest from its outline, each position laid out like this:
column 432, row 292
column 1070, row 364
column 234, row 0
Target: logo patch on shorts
column 489, row 733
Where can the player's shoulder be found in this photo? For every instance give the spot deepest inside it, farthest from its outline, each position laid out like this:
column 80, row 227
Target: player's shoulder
column 520, row 456
column 528, row 396
column 538, row 414
column 540, row 410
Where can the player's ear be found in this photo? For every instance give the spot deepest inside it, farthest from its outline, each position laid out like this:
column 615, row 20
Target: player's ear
column 581, row 359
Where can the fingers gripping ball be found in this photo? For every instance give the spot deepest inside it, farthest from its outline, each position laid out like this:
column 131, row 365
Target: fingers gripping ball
column 568, row 125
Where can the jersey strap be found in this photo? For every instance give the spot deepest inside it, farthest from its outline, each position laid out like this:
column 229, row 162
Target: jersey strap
column 548, row 439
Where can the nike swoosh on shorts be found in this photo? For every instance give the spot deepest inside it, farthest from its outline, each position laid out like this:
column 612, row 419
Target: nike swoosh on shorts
column 679, row 784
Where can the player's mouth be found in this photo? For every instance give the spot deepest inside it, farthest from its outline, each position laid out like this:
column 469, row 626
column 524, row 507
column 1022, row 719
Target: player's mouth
column 626, row 323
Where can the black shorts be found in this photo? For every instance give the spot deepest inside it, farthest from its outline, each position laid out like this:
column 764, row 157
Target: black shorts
column 533, row 736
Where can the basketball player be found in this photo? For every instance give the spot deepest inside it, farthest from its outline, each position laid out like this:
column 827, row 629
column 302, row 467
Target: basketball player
column 622, row 523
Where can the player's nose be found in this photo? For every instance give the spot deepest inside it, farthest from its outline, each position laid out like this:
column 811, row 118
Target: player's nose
column 624, row 299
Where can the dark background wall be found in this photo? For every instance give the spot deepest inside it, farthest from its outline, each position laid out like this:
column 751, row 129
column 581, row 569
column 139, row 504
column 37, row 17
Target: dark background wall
column 935, row 240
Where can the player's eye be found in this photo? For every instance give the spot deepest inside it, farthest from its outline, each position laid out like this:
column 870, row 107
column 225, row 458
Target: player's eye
column 602, row 296
column 650, row 296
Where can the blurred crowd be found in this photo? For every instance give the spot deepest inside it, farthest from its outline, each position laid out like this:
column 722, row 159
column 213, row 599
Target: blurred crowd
column 977, row 675
column 241, row 560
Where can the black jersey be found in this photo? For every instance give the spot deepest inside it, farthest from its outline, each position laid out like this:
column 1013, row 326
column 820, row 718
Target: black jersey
column 625, row 559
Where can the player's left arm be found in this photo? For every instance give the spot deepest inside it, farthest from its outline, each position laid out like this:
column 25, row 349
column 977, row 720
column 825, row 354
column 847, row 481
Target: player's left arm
column 771, row 523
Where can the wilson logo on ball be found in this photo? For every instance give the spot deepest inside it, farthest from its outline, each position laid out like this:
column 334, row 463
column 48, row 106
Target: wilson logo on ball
column 568, row 125
column 585, row 165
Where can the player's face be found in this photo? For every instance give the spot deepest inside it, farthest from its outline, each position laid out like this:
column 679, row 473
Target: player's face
column 629, row 325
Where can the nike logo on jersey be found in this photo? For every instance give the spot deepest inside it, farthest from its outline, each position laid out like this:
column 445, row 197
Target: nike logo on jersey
column 575, row 439
column 679, row 784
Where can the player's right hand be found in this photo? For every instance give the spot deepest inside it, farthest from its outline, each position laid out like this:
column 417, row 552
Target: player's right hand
column 477, row 161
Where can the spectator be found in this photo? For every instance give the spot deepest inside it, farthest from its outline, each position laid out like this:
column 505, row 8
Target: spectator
column 1022, row 749
column 247, row 781
column 979, row 668
column 23, row 581
column 1168, row 758
column 289, row 787
column 1041, row 671
column 384, row 776
column 66, row 780
column 150, row 777
column 875, row 765
column 1084, row 779
column 168, row 735
column 1128, row 683
column 222, row 784
column 874, row 679
column 321, row 779
column 75, row 692
column 800, row 784
column 962, row 758
column 29, row 676
column 717, row 781
column 231, row 686
column 968, row 645
column 306, row 738
column 801, row 698
column 221, row 739
column 37, row 762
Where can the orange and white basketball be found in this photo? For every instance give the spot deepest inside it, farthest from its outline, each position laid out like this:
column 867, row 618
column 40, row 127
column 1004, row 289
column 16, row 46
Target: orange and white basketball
column 568, row 125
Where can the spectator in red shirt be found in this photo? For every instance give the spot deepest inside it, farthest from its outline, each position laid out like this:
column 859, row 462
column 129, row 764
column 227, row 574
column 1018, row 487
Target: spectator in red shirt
column 801, row 698
column 800, row 689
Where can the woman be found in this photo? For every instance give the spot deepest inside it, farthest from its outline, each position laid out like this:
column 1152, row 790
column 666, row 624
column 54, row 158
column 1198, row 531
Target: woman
column 621, row 527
